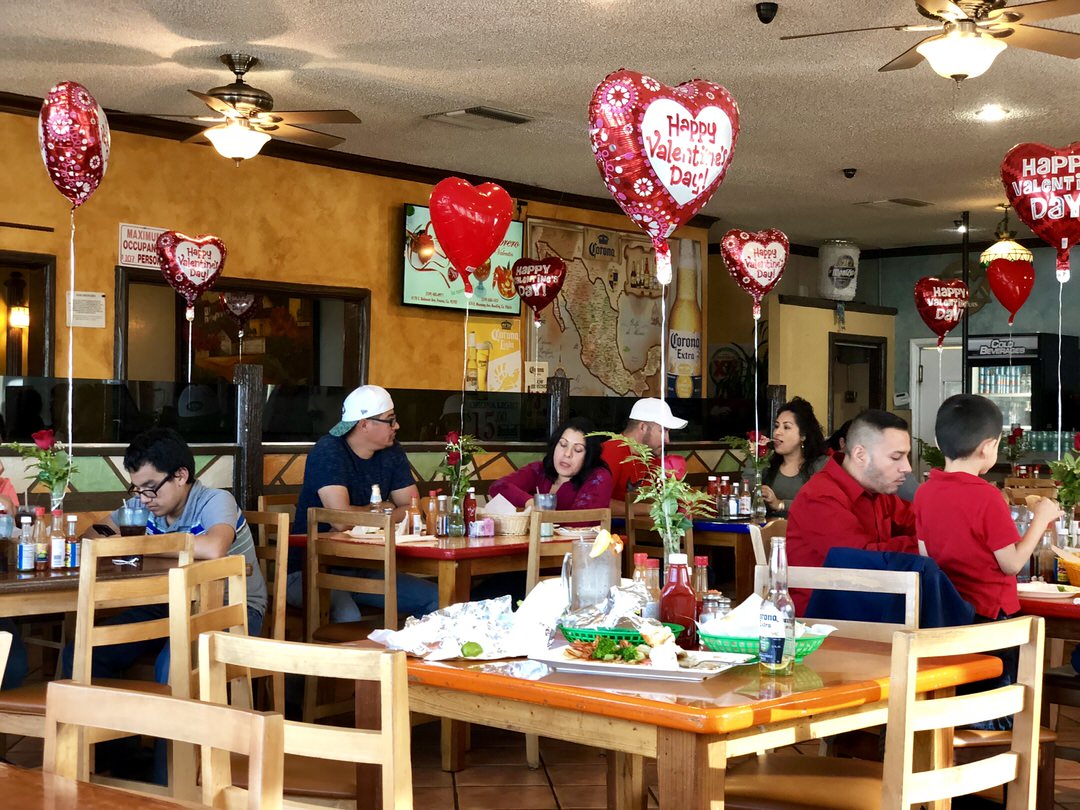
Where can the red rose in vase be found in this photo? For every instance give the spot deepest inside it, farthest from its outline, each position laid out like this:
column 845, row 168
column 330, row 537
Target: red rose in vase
column 44, row 439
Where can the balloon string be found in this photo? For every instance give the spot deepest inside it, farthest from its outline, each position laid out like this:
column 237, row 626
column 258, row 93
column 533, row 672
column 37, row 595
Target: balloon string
column 940, row 375
column 663, row 364
column 71, row 347
column 1061, row 287
column 190, row 329
column 464, row 365
column 757, row 437
column 240, row 336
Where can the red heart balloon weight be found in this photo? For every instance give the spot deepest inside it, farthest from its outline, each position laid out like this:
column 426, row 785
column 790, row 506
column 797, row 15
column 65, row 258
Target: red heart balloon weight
column 755, row 260
column 191, row 264
column 1011, row 283
column 470, row 222
column 1041, row 184
column 73, row 134
column 941, row 304
column 538, row 281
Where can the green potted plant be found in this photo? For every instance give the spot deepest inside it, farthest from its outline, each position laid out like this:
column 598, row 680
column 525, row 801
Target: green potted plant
column 49, row 463
column 455, row 465
column 1066, row 472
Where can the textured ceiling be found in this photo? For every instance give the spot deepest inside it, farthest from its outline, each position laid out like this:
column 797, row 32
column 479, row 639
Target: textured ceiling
column 809, row 107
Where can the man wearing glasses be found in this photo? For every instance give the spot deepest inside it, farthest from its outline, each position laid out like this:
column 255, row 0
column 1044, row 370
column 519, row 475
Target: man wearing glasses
column 360, row 452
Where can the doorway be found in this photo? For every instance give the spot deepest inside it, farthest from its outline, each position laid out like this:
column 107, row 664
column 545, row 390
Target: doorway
column 857, row 366
column 26, row 313
column 935, row 376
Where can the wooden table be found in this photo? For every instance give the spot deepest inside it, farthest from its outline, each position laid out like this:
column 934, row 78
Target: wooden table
column 29, row 593
column 690, row 728
column 30, row 790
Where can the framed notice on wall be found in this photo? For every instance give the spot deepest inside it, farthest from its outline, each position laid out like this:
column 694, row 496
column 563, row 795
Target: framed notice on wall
column 430, row 281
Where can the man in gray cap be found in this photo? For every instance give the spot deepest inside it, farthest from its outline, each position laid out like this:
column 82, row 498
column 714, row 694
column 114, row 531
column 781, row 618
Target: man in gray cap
column 361, row 451
column 649, row 423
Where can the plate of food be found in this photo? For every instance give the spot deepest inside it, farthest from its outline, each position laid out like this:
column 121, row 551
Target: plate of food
column 1046, row 590
column 622, row 659
column 577, row 532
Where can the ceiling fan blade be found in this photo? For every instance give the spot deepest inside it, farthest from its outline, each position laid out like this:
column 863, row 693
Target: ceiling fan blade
column 314, row 117
column 199, row 136
column 908, row 59
column 1043, row 10
column 216, row 104
column 846, row 31
column 308, row 137
column 1044, row 40
column 946, row 9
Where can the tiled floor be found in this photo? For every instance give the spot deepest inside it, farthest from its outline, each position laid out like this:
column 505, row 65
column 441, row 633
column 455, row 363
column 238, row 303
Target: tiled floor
column 571, row 776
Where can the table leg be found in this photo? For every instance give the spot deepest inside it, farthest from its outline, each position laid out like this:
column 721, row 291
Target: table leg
column 452, row 744
column 692, row 768
column 626, row 789
column 744, row 567
column 455, row 583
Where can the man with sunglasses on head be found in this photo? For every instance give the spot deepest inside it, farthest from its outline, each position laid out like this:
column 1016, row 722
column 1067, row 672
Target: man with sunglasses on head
column 360, row 451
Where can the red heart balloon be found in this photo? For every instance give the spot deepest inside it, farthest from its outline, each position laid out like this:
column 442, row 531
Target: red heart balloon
column 755, row 260
column 1042, row 184
column 1011, row 283
column 662, row 151
column 538, row 281
column 941, row 304
column 470, row 222
column 73, row 134
column 239, row 306
column 191, row 264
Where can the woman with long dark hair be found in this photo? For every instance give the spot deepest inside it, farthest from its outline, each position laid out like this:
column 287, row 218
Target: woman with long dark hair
column 798, row 452
column 571, row 468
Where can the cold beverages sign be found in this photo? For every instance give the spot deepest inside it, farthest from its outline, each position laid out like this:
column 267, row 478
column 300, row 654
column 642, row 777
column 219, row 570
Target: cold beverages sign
column 941, row 304
column 1043, row 185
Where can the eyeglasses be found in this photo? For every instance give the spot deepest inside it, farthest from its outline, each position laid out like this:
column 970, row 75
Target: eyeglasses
column 150, row 492
column 391, row 421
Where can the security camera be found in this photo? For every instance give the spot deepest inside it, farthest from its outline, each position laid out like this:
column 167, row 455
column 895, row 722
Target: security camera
column 849, row 173
column 766, row 12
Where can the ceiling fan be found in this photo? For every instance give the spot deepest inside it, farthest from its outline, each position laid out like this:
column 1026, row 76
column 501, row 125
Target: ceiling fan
column 247, row 119
column 969, row 34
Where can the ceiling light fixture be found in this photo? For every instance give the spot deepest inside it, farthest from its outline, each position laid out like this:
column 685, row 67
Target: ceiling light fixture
column 962, row 52
column 236, row 140
column 960, row 226
column 1005, row 247
column 992, row 112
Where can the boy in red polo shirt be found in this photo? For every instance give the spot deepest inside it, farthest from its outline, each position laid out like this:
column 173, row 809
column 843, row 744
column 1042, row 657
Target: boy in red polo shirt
column 965, row 522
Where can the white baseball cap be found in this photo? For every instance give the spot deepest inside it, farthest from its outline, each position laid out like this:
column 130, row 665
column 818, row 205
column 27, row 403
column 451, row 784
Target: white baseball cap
column 363, row 403
column 656, row 410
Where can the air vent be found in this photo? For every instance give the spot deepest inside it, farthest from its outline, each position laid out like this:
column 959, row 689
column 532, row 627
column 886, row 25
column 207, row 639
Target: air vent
column 896, row 202
column 480, row 118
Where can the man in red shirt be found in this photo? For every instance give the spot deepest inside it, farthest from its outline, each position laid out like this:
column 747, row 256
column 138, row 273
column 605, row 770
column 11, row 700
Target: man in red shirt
column 649, row 422
column 852, row 501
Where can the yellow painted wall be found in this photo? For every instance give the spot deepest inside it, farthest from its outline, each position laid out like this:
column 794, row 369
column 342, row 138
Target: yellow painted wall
column 799, row 349
column 281, row 220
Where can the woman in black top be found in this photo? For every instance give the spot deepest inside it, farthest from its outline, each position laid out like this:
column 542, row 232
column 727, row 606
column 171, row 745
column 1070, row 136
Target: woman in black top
column 798, row 452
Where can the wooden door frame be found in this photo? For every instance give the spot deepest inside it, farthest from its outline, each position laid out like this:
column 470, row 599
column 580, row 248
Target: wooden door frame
column 881, row 379
column 46, row 264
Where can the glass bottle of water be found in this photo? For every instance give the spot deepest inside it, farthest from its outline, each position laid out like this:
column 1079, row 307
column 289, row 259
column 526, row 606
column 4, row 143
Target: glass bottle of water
column 776, row 647
column 457, row 519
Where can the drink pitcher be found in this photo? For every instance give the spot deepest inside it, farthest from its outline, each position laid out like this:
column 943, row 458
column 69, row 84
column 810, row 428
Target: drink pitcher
column 588, row 580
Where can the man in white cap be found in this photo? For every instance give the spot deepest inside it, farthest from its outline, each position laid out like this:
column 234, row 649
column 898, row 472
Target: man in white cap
column 360, row 452
column 649, row 423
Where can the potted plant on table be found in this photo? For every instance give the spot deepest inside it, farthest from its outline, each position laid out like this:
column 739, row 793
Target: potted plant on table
column 1066, row 472
column 49, row 463
column 455, row 466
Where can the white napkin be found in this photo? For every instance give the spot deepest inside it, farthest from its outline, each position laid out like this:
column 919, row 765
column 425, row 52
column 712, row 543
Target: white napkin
column 744, row 621
column 499, row 506
column 366, row 531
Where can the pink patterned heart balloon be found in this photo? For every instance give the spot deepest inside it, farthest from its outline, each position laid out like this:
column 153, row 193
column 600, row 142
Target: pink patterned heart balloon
column 755, row 259
column 239, row 306
column 662, row 151
column 538, row 281
column 73, row 134
column 941, row 304
column 191, row 264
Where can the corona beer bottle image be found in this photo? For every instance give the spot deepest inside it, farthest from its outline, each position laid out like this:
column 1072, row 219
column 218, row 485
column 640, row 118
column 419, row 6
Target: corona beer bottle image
column 684, row 329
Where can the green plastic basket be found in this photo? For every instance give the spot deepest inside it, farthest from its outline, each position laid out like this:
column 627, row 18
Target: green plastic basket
column 615, row 633
column 749, row 646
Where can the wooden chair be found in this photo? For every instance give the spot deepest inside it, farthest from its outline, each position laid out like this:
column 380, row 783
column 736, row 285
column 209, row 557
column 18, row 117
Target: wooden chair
column 324, row 555
column 279, row 503
column 22, row 710
column 546, row 554
column 638, row 523
column 75, row 710
column 905, row 583
column 5, row 650
column 320, row 760
column 271, row 532
column 805, row 782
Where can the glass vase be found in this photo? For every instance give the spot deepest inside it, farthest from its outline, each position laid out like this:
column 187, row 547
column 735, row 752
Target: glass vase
column 56, row 496
column 758, row 512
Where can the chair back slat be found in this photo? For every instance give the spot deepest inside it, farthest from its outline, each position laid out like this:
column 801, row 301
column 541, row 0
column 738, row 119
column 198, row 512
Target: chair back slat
column 271, row 532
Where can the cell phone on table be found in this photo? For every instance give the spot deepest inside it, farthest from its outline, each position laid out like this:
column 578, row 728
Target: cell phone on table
column 103, row 529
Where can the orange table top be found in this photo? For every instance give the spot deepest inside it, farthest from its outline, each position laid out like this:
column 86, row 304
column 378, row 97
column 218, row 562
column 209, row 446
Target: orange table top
column 28, row 790
column 843, row 673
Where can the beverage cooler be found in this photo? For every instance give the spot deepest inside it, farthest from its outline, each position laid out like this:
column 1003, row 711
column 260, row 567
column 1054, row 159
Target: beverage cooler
column 1019, row 373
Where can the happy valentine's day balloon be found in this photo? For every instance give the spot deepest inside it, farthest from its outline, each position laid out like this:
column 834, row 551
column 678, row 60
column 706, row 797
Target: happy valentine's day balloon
column 662, row 151
column 73, row 134
column 755, row 259
column 941, row 304
column 1011, row 283
column 470, row 222
column 191, row 264
column 238, row 306
column 1042, row 185
column 538, row 281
